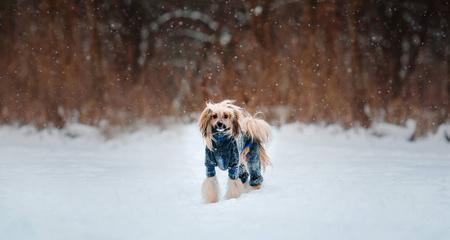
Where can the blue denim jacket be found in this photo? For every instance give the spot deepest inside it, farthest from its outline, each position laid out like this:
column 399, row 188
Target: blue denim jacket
column 225, row 155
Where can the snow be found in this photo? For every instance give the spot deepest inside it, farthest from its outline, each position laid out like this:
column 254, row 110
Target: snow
column 325, row 183
column 258, row 10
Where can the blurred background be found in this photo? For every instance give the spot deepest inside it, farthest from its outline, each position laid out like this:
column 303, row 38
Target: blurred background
column 121, row 61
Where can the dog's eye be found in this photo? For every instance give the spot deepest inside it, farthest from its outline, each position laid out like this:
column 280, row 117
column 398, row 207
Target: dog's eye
column 225, row 116
column 214, row 116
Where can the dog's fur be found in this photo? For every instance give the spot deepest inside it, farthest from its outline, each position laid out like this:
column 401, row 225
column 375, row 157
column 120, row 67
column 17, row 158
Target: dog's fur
column 237, row 123
column 210, row 190
column 234, row 188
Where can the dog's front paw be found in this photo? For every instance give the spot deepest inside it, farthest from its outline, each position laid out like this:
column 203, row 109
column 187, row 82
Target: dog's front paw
column 235, row 188
column 210, row 190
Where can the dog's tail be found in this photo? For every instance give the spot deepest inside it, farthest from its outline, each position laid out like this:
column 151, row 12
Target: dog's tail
column 263, row 157
column 259, row 131
column 256, row 128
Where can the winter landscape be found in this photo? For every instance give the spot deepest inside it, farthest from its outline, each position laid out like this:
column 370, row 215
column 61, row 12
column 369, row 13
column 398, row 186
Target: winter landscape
column 103, row 121
column 324, row 183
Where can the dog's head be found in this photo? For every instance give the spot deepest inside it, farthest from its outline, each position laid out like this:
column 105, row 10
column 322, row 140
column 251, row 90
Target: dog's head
column 219, row 118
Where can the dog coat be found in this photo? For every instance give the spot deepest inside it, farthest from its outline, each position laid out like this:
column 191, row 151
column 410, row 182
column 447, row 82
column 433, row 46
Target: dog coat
column 225, row 155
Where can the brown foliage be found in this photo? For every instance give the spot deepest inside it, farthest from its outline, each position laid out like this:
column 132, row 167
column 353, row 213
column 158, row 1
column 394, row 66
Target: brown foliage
column 346, row 62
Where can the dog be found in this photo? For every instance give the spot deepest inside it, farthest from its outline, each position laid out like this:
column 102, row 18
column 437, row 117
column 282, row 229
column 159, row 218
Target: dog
column 234, row 142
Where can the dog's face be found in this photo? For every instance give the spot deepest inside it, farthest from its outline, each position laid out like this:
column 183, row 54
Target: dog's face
column 220, row 117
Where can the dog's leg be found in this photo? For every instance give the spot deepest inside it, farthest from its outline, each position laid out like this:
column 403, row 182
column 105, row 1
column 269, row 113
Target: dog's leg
column 234, row 188
column 210, row 190
column 254, row 167
column 243, row 174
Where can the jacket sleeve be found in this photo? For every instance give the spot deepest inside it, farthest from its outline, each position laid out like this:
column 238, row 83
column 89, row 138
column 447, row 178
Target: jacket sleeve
column 210, row 164
column 233, row 166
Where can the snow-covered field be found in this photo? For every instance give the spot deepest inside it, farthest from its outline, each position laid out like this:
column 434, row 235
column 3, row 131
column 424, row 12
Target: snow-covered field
column 325, row 183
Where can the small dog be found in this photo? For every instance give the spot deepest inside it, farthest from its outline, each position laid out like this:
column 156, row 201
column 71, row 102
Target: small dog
column 234, row 141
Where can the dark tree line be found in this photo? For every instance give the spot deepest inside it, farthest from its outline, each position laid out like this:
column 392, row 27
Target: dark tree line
column 348, row 62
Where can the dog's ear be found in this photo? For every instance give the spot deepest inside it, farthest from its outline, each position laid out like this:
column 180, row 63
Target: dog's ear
column 236, row 125
column 205, row 127
column 203, row 121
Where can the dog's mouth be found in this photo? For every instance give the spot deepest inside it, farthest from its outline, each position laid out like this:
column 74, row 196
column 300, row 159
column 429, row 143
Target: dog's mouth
column 220, row 128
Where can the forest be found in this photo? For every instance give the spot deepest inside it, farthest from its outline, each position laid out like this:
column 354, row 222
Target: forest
column 120, row 61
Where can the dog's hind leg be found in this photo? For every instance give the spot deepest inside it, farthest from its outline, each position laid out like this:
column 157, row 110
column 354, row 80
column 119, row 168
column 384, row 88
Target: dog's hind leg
column 254, row 166
column 210, row 190
column 243, row 174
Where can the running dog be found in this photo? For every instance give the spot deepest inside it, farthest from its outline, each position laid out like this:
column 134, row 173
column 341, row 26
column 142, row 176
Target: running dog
column 235, row 143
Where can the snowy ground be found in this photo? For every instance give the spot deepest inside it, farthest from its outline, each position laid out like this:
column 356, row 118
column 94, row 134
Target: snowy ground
column 324, row 184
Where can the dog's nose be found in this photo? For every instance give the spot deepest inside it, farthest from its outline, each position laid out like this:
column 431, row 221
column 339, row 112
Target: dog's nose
column 220, row 125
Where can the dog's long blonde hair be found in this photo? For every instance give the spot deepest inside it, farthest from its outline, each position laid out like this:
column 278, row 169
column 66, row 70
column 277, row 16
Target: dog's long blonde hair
column 204, row 121
column 259, row 131
column 243, row 122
